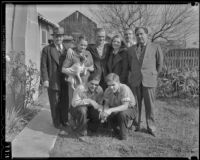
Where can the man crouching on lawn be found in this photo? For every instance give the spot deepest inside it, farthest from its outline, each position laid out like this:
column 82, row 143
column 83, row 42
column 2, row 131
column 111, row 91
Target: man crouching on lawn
column 119, row 105
column 85, row 104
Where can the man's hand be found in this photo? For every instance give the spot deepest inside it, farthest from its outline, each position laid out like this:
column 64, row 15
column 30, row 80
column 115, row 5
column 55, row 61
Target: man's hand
column 87, row 100
column 46, row 84
column 91, row 68
column 108, row 111
column 70, row 53
column 93, row 103
column 100, row 108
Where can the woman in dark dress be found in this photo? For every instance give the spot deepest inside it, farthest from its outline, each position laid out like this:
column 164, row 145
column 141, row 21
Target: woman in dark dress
column 118, row 59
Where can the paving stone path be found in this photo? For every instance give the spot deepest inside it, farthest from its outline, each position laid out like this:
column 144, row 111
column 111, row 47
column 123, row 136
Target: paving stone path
column 39, row 136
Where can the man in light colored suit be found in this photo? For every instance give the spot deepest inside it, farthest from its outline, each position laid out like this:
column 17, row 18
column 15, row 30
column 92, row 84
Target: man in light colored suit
column 145, row 62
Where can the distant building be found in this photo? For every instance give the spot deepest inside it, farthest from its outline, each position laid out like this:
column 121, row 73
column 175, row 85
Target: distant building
column 45, row 30
column 76, row 24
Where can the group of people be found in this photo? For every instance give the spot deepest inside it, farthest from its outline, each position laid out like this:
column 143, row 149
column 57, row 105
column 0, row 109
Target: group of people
column 102, row 82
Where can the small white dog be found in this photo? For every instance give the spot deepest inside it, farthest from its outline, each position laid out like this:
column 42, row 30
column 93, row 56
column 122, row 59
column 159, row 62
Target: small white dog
column 77, row 69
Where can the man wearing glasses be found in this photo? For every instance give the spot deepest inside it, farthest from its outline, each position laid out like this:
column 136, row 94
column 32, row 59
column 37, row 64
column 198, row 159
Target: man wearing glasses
column 85, row 104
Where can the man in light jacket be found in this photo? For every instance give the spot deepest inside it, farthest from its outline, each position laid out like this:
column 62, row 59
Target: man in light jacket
column 145, row 62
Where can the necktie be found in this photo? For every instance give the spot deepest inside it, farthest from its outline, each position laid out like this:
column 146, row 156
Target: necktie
column 59, row 48
column 142, row 47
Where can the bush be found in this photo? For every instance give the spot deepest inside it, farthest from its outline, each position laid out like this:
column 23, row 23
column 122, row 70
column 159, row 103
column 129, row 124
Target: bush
column 181, row 83
column 13, row 117
column 21, row 80
column 21, row 84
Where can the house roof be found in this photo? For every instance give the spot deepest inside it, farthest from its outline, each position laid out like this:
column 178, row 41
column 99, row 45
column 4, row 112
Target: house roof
column 41, row 17
column 80, row 13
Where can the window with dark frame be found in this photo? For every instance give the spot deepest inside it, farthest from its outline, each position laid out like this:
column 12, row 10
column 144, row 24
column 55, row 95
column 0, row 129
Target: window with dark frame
column 44, row 37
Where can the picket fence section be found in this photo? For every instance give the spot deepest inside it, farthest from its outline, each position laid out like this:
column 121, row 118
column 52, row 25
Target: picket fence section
column 178, row 58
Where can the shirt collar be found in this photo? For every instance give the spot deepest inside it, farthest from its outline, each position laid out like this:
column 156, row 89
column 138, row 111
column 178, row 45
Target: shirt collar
column 129, row 44
column 100, row 46
column 115, row 52
column 118, row 91
column 57, row 47
column 88, row 90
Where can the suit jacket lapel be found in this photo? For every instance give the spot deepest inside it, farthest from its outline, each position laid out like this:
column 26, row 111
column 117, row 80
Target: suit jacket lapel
column 96, row 52
column 55, row 53
column 147, row 51
column 104, row 51
column 135, row 53
column 110, row 62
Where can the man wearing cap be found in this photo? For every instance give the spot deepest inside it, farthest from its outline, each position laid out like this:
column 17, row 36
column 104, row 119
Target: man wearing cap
column 145, row 60
column 86, row 101
column 52, row 58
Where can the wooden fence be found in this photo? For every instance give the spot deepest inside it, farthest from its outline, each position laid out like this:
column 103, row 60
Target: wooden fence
column 178, row 58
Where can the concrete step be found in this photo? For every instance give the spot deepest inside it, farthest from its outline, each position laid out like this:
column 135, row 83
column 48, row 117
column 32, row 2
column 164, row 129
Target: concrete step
column 37, row 138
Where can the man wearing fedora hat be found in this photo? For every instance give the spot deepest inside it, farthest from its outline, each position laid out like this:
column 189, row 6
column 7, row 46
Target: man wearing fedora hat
column 52, row 78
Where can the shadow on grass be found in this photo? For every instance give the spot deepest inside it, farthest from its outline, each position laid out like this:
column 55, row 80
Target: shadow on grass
column 102, row 131
column 187, row 102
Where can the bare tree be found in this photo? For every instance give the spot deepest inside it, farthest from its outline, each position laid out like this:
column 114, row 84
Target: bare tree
column 166, row 22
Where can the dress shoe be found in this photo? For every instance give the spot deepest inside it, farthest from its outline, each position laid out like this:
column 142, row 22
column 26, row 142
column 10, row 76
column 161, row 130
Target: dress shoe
column 122, row 137
column 83, row 133
column 149, row 130
column 137, row 129
column 66, row 124
column 115, row 132
column 58, row 126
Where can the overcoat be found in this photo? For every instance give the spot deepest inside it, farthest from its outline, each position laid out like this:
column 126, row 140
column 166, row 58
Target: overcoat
column 51, row 63
column 119, row 64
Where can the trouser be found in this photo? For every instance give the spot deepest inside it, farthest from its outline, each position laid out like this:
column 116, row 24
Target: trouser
column 59, row 109
column 120, row 119
column 86, row 117
column 64, row 106
column 148, row 93
column 70, row 95
column 54, row 100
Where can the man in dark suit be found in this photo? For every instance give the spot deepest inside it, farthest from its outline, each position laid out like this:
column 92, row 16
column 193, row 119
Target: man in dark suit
column 100, row 54
column 145, row 60
column 52, row 58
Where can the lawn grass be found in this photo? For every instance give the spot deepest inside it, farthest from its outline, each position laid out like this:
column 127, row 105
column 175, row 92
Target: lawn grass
column 177, row 124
